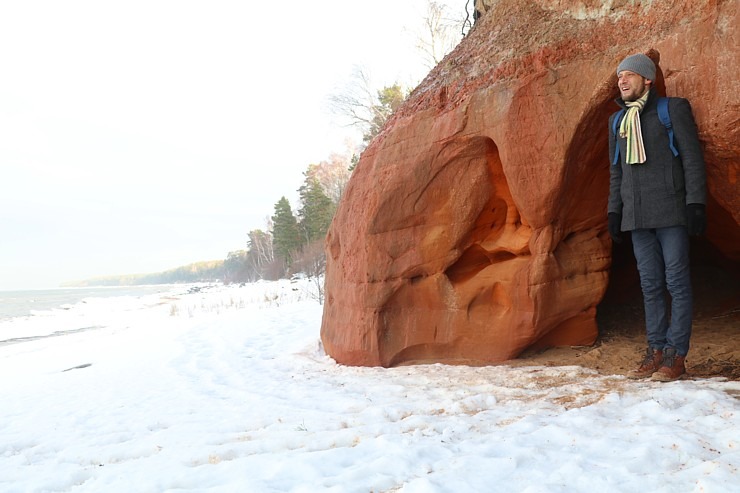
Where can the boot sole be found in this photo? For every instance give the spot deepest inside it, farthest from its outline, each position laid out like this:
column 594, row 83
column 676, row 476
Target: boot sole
column 667, row 379
column 639, row 377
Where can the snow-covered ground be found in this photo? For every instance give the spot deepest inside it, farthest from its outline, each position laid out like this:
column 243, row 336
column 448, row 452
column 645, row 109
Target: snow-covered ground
column 228, row 390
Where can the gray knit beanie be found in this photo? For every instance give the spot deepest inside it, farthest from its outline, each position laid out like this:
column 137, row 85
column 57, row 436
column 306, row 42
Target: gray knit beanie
column 639, row 64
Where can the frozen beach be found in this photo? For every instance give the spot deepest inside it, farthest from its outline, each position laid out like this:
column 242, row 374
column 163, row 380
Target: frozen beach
column 227, row 389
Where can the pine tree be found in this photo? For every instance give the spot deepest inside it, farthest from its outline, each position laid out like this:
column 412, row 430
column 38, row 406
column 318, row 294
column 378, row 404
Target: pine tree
column 317, row 211
column 236, row 268
column 353, row 162
column 286, row 236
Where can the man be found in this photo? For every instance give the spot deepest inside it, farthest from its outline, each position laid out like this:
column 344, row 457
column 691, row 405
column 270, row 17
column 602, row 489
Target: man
column 660, row 198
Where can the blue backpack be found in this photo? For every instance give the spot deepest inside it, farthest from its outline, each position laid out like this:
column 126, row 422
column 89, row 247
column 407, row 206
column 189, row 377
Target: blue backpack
column 665, row 119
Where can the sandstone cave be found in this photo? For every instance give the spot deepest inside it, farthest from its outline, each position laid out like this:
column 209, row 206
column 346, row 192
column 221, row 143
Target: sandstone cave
column 512, row 127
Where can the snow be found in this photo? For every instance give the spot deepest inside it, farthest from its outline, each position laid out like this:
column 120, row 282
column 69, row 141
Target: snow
column 227, row 389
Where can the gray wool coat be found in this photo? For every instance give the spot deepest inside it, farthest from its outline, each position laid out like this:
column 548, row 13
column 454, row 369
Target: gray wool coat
column 655, row 194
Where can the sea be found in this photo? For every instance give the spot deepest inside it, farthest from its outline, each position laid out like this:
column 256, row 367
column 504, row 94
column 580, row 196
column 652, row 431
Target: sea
column 29, row 302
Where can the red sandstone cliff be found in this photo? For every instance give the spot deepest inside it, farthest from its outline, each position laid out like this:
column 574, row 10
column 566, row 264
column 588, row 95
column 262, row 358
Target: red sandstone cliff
column 474, row 226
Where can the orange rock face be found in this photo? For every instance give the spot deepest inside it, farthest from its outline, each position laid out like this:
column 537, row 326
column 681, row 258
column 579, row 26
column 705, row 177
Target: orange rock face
column 474, row 226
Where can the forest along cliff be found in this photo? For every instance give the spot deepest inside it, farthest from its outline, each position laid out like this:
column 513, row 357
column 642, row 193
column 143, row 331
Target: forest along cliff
column 474, row 225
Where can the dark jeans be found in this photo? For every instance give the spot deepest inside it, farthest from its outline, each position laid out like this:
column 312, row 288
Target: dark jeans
column 663, row 262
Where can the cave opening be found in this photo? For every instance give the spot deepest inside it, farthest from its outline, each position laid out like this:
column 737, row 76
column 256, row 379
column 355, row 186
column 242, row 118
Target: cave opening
column 715, row 263
column 715, row 281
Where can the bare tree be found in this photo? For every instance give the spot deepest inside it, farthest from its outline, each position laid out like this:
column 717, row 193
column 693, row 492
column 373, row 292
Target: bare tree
column 260, row 242
column 332, row 174
column 440, row 34
column 260, row 252
column 356, row 101
column 362, row 105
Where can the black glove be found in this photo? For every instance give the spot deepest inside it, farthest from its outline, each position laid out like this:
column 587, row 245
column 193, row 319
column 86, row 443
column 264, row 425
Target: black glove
column 615, row 227
column 696, row 219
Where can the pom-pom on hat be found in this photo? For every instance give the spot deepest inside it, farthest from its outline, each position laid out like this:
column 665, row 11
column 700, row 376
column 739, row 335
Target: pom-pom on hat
column 639, row 64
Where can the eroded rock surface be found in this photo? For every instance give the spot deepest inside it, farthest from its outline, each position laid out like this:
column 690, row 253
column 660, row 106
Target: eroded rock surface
column 474, row 226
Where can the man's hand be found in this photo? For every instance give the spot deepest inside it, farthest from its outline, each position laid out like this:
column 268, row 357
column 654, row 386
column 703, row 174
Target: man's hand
column 696, row 218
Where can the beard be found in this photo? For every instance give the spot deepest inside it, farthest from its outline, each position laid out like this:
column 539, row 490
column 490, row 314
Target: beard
column 634, row 93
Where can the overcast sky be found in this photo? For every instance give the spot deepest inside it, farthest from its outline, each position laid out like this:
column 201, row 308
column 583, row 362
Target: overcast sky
column 139, row 136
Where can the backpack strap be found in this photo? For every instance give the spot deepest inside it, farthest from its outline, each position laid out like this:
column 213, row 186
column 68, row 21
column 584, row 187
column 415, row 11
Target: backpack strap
column 665, row 119
column 615, row 124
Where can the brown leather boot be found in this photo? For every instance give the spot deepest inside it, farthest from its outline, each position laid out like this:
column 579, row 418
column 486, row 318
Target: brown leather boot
column 673, row 368
column 651, row 363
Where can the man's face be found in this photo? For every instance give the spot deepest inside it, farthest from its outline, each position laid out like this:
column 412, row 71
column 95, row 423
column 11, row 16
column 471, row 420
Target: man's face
column 631, row 85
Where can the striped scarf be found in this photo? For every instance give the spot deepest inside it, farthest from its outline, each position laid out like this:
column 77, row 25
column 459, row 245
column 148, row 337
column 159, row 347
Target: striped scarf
column 630, row 128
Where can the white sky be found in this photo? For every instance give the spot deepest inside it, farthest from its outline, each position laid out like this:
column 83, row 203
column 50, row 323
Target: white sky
column 138, row 136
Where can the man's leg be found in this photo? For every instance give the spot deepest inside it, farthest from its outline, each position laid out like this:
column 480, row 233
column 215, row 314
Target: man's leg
column 649, row 256
column 675, row 244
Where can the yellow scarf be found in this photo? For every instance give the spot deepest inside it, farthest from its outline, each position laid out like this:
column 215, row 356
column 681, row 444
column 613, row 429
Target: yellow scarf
column 630, row 128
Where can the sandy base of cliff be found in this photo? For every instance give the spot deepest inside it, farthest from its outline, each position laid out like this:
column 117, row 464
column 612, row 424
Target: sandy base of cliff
column 715, row 341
